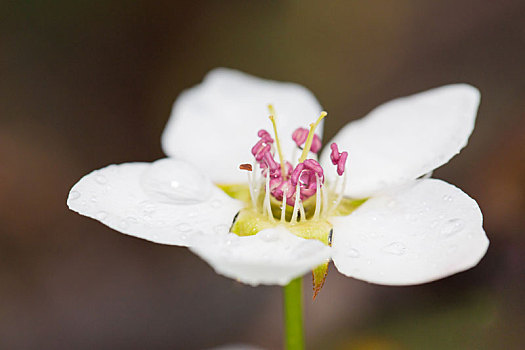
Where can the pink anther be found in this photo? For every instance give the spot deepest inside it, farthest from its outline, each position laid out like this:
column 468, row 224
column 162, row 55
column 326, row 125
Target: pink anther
column 338, row 159
column 301, row 134
column 265, row 136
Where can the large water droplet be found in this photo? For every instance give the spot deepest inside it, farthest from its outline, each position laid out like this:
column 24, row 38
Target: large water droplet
column 176, row 182
column 74, row 195
column 352, row 253
column 395, row 248
column 452, row 227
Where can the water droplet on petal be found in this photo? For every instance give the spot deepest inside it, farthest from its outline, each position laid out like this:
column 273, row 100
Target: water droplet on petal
column 101, row 215
column 452, row 249
column 74, row 195
column 452, row 227
column 395, row 248
column 269, row 236
column 221, row 229
column 447, row 198
column 184, row 227
column 101, row 179
column 148, row 207
column 352, row 253
column 176, row 182
column 411, row 217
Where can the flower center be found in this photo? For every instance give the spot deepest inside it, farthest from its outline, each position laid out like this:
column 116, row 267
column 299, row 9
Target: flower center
column 293, row 192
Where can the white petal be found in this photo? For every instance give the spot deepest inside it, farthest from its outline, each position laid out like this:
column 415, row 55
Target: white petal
column 419, row 233
column 273, row 256
column 214, row 124
column 406, row 138
column 167, row 201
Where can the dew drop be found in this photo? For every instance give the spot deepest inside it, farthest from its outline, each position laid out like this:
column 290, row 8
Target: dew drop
column 452, row 249
column 131, row 219
column 447, row 198
column 101, row 215
column 269, row 236
column 148, row 207
column 176, row 182
column 352, row 253
column 411, row 217
column 395, row 248
column 74, row 195
column 101, row 179
column 221, row 229
column 452, row 227
column 215, row 203
column 184, row 227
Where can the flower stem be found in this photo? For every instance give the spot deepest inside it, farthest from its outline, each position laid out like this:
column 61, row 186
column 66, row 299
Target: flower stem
column 293, row 315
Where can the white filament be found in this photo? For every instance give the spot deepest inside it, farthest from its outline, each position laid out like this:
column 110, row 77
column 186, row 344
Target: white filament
column 283, row 206
column 340, row 194
column 251, row 185
column 301, row 208
column 317, row 198
column 296, row 204
column 267, row 204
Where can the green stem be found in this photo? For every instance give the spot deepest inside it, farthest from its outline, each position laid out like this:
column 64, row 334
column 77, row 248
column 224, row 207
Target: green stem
column 293, row 315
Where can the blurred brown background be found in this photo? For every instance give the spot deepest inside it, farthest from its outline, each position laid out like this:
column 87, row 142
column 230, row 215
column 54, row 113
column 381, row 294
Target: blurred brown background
column 87, row 83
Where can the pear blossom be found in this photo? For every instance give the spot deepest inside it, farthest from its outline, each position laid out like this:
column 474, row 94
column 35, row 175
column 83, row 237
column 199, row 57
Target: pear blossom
column 262, row 207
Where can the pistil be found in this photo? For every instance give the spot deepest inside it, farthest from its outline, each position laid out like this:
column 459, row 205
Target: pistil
column 311, row 134
column 277, row 142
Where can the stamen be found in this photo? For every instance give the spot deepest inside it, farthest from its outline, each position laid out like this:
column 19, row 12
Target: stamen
column 267, row 204
column 339, row 195
column 317, row 197
column 252, row 191
column 277, row 142
column 311, row 134
column 324, row 196
column 296, row 204
column 301, row 209
column 283, row 206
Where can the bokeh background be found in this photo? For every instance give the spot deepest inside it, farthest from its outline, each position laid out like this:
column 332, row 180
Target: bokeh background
column 87, row 83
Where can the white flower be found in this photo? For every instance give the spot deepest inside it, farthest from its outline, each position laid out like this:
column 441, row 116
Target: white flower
column 410, row 230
